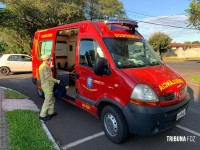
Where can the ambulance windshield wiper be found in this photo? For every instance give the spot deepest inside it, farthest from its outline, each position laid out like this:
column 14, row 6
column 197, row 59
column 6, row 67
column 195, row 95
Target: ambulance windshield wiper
column 132, row 66
column 155, row 63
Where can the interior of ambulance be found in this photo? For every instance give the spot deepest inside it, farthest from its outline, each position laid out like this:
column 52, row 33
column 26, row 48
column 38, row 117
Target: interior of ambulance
column 65, row 53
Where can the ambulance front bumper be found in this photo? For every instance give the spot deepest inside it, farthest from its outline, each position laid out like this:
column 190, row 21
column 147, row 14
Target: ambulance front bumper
column 145, row 120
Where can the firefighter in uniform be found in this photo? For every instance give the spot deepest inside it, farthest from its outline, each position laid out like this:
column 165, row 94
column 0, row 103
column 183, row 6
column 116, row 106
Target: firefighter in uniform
column 47, row 84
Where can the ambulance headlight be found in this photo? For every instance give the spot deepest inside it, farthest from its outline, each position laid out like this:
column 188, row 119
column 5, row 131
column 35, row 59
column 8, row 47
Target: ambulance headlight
column 144, row 93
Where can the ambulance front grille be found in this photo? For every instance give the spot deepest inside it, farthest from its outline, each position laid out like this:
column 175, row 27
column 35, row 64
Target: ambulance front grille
column 168, row 97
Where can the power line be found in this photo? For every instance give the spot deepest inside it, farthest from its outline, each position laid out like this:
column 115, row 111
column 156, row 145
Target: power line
column 140, row 13
column 167, row 25
column 165, row 21
column 148, row 15
column 161, row 18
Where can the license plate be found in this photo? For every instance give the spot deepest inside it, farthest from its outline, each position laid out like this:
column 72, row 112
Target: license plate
column 180, row 114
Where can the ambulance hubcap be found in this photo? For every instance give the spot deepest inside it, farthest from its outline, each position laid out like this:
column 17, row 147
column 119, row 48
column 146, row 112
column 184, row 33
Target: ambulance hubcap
column 110, row 124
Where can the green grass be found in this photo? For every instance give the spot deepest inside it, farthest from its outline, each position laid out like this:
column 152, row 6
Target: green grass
column 195, row 78
column 25, row 131
column 12, row 94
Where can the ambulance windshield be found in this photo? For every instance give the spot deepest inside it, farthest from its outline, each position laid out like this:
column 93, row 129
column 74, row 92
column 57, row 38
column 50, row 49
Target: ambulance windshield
column 132, row 53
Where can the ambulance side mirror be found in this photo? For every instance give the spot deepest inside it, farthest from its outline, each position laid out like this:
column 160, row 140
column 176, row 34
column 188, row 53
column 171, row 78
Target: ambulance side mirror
column 101, row 67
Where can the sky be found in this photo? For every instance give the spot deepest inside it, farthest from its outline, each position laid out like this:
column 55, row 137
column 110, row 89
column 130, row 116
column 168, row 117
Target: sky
column 164, row 12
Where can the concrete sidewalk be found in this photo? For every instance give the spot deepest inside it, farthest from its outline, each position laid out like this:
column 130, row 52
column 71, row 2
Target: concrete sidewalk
column 9, row 105
column 3, row 130
column 16, row 104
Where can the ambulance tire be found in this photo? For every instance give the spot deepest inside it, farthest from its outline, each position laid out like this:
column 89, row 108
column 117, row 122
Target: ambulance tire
column 40, row 93
column 4, row 71
column 114, row 124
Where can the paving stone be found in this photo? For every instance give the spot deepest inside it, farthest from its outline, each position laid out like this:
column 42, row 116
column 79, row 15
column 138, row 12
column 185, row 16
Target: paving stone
column 3, row 129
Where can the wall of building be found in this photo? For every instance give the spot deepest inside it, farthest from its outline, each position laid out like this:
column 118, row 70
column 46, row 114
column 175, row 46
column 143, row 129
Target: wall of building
column 193, row 52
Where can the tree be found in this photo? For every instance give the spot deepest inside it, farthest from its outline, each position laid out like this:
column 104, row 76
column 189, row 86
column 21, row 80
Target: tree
column 194, row 14
column 187, row 42
column 111, row 9
column 2, row 47
column 104, row 9
column 20, row 19
column 15, row 43
column 160, row 42
column 196, row 42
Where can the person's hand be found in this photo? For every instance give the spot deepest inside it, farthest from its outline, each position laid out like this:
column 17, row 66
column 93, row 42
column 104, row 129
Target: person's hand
column 58, row 81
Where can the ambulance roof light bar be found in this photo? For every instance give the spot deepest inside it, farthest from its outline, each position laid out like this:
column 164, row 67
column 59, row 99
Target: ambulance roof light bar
column 129, row 23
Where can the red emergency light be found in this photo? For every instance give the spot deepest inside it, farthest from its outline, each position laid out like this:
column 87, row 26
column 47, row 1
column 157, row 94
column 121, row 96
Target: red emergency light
column 124, row 25
column 129, row 23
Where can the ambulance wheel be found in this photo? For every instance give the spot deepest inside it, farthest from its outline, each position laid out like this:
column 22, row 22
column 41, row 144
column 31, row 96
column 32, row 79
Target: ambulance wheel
column 40, row 92
column 4, row 71
column 114, row 124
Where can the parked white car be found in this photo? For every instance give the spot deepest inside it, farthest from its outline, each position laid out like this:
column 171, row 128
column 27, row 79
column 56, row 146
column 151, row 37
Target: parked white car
column 15, row 63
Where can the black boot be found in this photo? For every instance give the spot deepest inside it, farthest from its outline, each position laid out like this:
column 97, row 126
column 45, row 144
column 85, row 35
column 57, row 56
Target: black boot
column 45, row 118
column 52, row 115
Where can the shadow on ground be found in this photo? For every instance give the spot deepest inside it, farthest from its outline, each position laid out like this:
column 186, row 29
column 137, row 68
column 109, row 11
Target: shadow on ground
column 191, row 93
column 197, row 61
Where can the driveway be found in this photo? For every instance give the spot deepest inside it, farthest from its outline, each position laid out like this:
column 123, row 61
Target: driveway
column 76, row 129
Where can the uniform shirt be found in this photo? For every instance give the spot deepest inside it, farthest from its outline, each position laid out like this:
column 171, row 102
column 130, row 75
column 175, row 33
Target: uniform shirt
column 47, row 80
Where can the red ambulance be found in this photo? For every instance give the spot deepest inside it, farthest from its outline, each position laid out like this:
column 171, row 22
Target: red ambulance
column 109, row 70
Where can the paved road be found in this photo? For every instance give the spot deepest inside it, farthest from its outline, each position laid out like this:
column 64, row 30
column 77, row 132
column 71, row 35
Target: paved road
column 74, row 124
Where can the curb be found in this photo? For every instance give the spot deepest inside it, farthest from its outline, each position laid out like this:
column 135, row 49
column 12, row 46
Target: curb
column 3, row 125
column 44, row 127
column 50, row 136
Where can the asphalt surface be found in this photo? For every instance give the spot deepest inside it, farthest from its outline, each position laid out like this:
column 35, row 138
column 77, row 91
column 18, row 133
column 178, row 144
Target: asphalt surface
column 73, row 124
